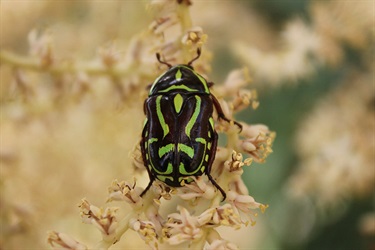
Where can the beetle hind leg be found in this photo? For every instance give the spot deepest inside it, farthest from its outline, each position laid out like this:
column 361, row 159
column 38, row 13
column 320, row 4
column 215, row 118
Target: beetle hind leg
column 217, row 186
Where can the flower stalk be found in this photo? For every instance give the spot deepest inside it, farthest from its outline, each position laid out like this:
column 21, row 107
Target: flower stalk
column 200, row 210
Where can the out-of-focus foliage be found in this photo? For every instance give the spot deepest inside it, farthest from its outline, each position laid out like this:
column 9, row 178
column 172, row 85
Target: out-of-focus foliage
column 64, row 138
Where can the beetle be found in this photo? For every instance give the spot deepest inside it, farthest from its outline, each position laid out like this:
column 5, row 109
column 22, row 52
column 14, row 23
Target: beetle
column 179, row 138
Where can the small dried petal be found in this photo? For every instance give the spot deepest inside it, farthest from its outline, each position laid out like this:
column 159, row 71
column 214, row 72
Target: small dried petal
column 258, row 141
column 182, row 227
column 103, row 219
column 194, row 37
column 41, row 46
column 221, row 244
column 224, row 215
column 196, row 189
column 126, row 192
column 236, row 164
column 162, row 190
column 236, row 80
column 109, row 55
column 61, row 240
column 245, row 204
column 146, row 230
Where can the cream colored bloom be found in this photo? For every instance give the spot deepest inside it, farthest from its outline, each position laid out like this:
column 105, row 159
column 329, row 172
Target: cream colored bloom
column 103, row 219
column 221, row 245
column 199, row 187
column 258, row 141
column 306, row 46
column 63, row 241
column 126, row 192
column 74, row 117
column 147, row 232
column 182, row 227
column 336, row 146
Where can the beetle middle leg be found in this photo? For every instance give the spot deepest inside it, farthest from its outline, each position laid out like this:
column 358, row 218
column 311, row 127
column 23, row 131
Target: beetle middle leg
column 221, row 114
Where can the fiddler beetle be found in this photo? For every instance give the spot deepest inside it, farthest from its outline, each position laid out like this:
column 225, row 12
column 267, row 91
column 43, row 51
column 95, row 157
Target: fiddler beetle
column 179, row 138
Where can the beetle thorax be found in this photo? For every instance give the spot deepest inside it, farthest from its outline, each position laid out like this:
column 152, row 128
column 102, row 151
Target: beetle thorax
column 180, row 79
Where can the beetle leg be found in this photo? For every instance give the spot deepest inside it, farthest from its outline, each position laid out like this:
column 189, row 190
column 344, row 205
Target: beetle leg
column 210, row 84
column 220, row 112
column 217, row 186
column 148, row 186
column 148, row 87
column 208, row 169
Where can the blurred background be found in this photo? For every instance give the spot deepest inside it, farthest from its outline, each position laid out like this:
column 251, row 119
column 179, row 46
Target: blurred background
column 67, row 136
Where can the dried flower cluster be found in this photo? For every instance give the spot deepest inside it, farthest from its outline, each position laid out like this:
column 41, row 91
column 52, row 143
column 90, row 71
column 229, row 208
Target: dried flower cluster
column 52, row 86
column 192, row 225
column 306, row 46
column 73, row 77
column 336, row 145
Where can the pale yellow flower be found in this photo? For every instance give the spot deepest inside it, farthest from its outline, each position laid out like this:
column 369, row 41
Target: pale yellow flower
column 75, row 117
column 336, row 146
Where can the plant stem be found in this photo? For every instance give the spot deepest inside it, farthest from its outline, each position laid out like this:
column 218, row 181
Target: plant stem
column 122, row 228
column 33, row 63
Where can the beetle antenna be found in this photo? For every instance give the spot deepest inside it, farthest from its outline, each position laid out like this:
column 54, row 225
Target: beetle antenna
column 195, row 58
column 162, row 62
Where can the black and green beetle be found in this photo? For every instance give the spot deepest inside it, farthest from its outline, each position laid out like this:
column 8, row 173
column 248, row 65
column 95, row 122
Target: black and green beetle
column 179, row 138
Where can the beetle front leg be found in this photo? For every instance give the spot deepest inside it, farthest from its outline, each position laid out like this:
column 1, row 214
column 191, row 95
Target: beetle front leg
column 148, row 186
column 152, row 178
column 221, row 114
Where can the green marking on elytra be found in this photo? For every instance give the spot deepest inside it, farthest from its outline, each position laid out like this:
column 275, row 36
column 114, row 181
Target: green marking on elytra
column 178, row 75
column 164, row 126
column 201, row 140
column 209, row 145
column 145, row 122
column 151, row 140
column 178, row 101
column 168, row 171
column 166, row 149
column 194, row 117
column 163, row 177
column 182, row 169
column 212, row 123
column 186, row 149
column 203, row 168
column 206, row 158
column 204, row 142
column 169, row 168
